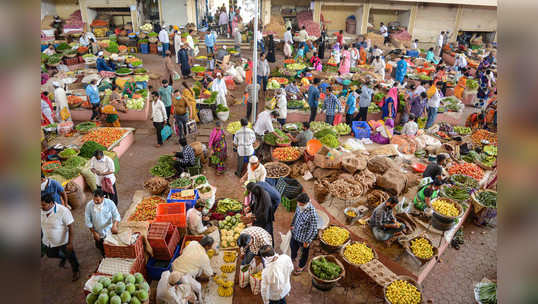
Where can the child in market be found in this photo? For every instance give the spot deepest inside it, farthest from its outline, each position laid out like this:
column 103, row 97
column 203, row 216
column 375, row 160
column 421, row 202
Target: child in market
column 210, row 62
column 300, row 53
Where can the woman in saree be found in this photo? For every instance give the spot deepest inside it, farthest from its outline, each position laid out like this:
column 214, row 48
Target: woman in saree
column 188, row 95
column 430, row 56
column 401, row 70
column 316, row 62
column 389, row 105
column 345, row 64
column 383, row 133
column 362, row 56
column 217, row 145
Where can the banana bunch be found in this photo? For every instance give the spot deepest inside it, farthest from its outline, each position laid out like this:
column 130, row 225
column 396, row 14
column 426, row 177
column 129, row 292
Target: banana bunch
column 225, row 291
column 210, row 253
column 402, row 292
column 422, row 248
column 229, row 256
column 227, row 268
column 223, row 281
column 258, row 275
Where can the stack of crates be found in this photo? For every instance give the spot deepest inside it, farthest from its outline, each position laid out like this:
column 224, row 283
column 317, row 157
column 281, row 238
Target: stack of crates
column 163, row 238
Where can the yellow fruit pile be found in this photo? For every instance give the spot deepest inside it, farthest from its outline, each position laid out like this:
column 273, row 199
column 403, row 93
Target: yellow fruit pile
column 225, row 292
column 223, row 281
column 211, row 253
column 258, row 275
column 227, row 268
column 229, row 256
column 335, row 236
column 422, row 248
column 358, row 253
column 402, row 292
column 445, row 208
column 351, row 213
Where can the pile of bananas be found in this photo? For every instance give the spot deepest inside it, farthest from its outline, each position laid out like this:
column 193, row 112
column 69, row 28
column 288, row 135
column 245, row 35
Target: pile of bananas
column 258, row 275
column 422, row 248
column 227, row 268
column 445, row 208
column 358, row 253
column 223, row 281
column 229, row 256
column 335, row 236
column 402, row 292
column 225, row 291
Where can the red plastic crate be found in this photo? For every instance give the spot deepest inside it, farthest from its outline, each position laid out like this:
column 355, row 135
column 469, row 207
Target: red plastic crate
column 187, row 238
column 127, row 252
column 174, row 213
column 163, row 238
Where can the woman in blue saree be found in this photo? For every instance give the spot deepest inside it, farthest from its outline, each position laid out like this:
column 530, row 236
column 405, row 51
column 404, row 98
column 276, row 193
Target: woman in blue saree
column 390, row 103
column 401, row 70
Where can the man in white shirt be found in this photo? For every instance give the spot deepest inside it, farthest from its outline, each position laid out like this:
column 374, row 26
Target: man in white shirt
column 288, row 37
column 85, row 38
column 219, row 86
column 158, row 116
column 439, row 44
column 57, row 233
column 223, row 23
column 414, row 44
column 263, row 71
column 190, row 43
column 194, row 260
column 102, row 218
column 176, row 289
column 460, row 62
column 50, row 50
column 302, row 37
column 433, row 103
column 165, row 40
column 255, row 171
column 264, row 123
column 195, row 220
column 411, row 127
column 282, row 106
column 244, row 140
column 379, row 66
column 261, row 45
column 103, row 168
column 275, row 285
column 384, row 32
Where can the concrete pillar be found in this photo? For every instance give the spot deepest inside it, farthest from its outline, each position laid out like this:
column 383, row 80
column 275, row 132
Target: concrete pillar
column 266, row 11
column 84, row 14
column 457, row 24
column 160, row 13
column 364, row 20
column 191, row 11
column 412, row 18
column 317, row 11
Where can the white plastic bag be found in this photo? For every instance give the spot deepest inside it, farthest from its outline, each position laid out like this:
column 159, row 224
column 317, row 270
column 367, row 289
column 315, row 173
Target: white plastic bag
column 196, row 51
column 285, row 244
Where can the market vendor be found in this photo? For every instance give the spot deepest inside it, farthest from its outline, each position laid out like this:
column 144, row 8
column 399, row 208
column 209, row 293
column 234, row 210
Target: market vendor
column 103, row 167
column 303, row 137
column 101, row 217
column 250, row 241
column 219, row 86
column 185, row 158
column 173, row 288
column 426, row 194
column 85, row 38
column 111, row 115
column 382, row 221
column 60, row 99
column 261, row 208
column 55, row 189
column 102, row 65
column 293, row 90
column 194, row 260
column 255, row 171
column 435, row 169
column 195, row 220
column 281, row 106
column 476, row 121
column 49, row 51
column 264, row 123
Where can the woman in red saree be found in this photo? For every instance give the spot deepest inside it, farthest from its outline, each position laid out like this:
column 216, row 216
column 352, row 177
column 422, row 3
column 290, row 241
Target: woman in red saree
column 217, row 146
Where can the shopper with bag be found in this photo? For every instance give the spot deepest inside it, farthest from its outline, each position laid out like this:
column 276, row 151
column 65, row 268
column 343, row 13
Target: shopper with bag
column 250, row 241
column 158, row 116
column 60, row 99
column 261, row 207
column 304, row 228
column 331, row 106
column 181, row 114
column 165, row 92
column 101, row 217
column 275, row 285
column 103, row 168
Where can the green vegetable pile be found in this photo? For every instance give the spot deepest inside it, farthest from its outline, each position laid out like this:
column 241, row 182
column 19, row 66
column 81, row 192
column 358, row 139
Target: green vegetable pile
column 85, row 126
column 424, row 77
column 54, row 59
column 211, row 99
column 487, row 198
column 113, row 47
column 474, row 157
column 420, row 153
column 123, row 71
column 378, row 96
column 324, row 132
column 462, row 130
column 296, row 66
column 152, row 34
column 164, row 168
column 456, row 193
column 200, row 180
column 490, row 150
column 292, row 126
column 471, row 84
column 373, row 108
column 62, row 47
column 230, row 222
column 75, row 162
column 316, row 126
column 464, row 180
column 88, row 149
column 180, row 183
column 121, row 288
column 421, row 122
column 343, row 129
column 487, row 293
column 44, row 57
column 67, row 172
column 330, row 141
column 271, row 139
column 140, row 71
column 441, row 110
column 52, row 126
column 228, row 204
column 222, row 108
column 295, row 104
column 198, row 69
column 325, row 270
column 67, row 153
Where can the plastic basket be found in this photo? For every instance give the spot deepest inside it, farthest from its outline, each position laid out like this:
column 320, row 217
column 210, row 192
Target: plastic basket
column 189, row 203
column 127, row 252
column 144, row 48
column 289, row 187
column 174, row 213
column 188, row 238
column 163, row 248
column 361, row 129
column 157, row 234
column 155, row 267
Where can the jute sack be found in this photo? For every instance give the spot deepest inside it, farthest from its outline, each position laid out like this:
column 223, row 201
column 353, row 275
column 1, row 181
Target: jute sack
column 75, row 195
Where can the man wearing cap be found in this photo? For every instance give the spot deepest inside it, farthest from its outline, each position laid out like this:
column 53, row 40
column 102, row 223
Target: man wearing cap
column 102, row 65
column 165, row 40
column 282, row 106
column 264, row 123
column 219, row 86
column 173, row 288
column 255, row 171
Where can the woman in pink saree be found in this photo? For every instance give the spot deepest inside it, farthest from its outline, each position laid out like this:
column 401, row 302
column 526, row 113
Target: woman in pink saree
column 346, row 61
column 217, row 146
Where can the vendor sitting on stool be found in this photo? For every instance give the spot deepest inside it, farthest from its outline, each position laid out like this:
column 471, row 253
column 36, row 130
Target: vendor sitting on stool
column 185, row 158
column 382, row 221
column 426, row 194
column 195, row 220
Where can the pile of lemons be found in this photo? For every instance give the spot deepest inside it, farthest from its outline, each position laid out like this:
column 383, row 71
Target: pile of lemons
column 445, row 208
column 358, row 253
column 402, row 292
column 422, row 248
column 335, row 236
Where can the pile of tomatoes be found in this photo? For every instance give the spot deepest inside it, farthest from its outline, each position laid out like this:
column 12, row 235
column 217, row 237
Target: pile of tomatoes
column 468, row 169
column 146, row 210
column 286, row 153
column 104, row 136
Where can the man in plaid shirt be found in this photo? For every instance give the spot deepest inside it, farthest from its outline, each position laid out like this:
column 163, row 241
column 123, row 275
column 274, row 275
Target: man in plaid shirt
column 250, row 241
column 304, row 228
column 186, row 158
column 330, row 105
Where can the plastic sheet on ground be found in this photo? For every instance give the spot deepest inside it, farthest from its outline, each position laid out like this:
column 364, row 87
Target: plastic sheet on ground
column 209, row 289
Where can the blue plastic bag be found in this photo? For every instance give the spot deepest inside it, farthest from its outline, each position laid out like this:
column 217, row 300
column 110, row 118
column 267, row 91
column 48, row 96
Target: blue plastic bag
column 166, row 132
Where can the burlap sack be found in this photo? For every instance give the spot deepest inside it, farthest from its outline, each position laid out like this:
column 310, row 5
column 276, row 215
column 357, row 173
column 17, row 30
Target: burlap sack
column 327, row 163
column 75, row 195
column 156, row 185
column 380, row 164
column 199, row 151
column 353, row 163
column 392, row 181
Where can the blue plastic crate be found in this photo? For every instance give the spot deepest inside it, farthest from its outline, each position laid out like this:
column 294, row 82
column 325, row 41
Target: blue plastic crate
column 141, row 85
column 188, row 203
column 361, row 129
column 155, row 269
column 144, row 48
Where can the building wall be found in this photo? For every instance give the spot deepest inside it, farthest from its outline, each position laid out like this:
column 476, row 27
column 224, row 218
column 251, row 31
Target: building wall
column 174, row 12
column 431, row 19
column 478, row 18
column 386, row 16
column 47, row 9
column 64, row 8
column 337, row 16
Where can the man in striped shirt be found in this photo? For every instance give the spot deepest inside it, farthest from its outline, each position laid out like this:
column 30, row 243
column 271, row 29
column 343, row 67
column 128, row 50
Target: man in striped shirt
column 250, row 241
column 330, row 105
column 304, row 228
